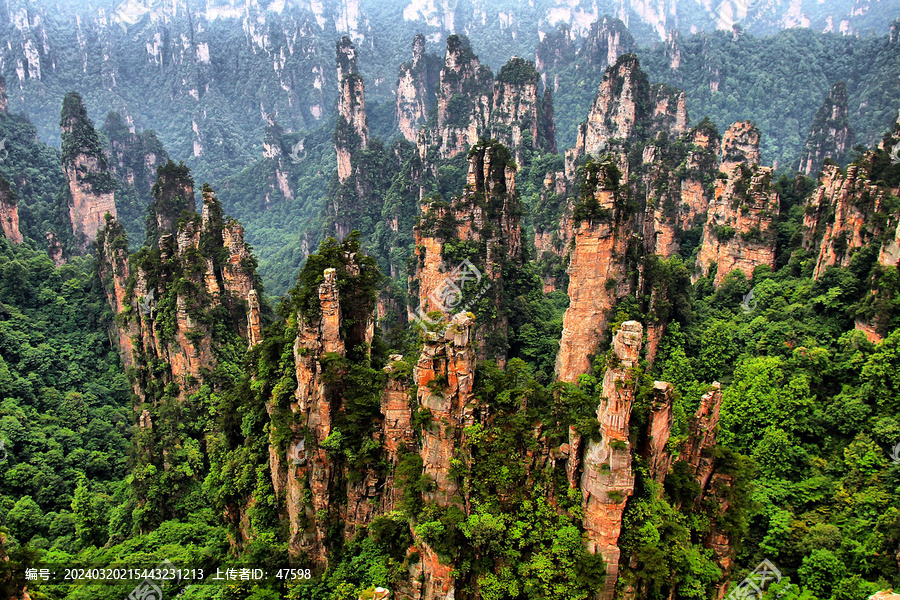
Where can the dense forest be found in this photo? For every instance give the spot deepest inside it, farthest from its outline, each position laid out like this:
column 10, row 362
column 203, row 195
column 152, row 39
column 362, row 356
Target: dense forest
column 556, row 329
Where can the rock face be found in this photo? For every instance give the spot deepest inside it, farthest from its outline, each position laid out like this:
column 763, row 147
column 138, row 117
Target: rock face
column 4, row 99
column 830, row 135
column 450, row 358
column 415, row 89
column 627, row 103
column 739, row 230
column 397, row 429
column 658, row 429
column 714, row 485
column 841, row 216
column 161, row 304
column 276, row 154
column 354, row 203
column 486, row 219
column 133, row 158
column 702, row 435
column 472, row 105
column 596, row 269
column 90, row 183
column 607, row 480
column 173, row 193
column 9, row 213
column 464, row 99
column 353, row 127
column 314, row 404
column 518, row 112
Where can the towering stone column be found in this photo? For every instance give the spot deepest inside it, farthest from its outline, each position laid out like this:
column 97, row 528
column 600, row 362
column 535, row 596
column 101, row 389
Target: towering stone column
column 607, row 480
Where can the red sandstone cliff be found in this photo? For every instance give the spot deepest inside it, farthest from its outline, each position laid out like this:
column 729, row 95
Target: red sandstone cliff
column 9, row 213
column 486, row 219
column 91, row 186
column 159, row 303
column 739, row 231
column 607, row 479
column 597, row 274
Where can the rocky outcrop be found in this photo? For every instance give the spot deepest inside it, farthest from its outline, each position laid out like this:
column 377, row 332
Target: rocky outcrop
column 607, row 480
column 597, row 270
column 464, row 99
column 830, row 135
column 4, row 99
column 9, row 213
column 740, row 144
column 520, row 118
column 658, row 428
column 627, row 104
column 254, row 319
column 353, row 127
column 276, row 156
column 415, row 89
column 355, row 198
column 91, row 186
column 173, row 193
column 397, row 430
column 486, row 219
column 445, row 376
column 133, row 158
column 715, row 486
column 739, row 232
column 702, row 436
column 161, row 305
column 840, row 216
column 314, row 397
column 54, row 249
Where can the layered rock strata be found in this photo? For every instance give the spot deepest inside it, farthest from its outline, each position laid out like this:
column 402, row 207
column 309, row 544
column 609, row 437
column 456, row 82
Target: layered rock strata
column 9, row 213
column 484, row 219
column 596, row 270
column 160, row 305
column 739, row 232
column 91, row 186
column 607, row 479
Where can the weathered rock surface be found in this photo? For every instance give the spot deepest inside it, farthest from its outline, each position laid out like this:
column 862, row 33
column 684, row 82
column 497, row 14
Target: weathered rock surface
column 159, row 306
column 87, row 172
column 739, row 232
column 596, row 275
column 486, row 217
column 448, row 357
column 415, row 89
column 607, row 480
column 9, row 213
column 830, row 135
column 658, row 428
